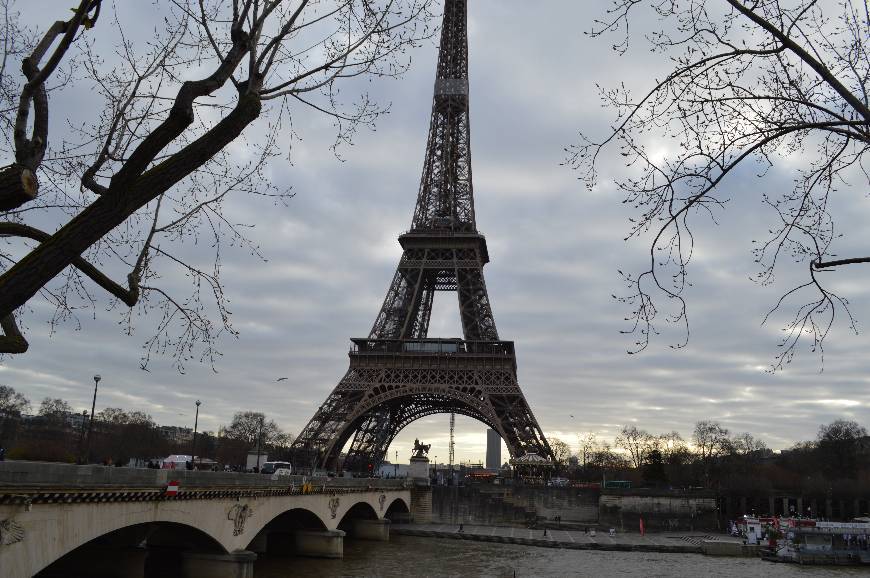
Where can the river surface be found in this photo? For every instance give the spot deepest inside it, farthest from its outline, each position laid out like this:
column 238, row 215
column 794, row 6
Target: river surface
column 412, row 556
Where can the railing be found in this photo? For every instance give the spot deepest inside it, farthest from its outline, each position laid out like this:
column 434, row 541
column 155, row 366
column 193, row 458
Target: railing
column 363, row 346
column 16, row 475
column 443, row 232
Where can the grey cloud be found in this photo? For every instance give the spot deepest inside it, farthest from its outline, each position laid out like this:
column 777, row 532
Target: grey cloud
column 555, row 249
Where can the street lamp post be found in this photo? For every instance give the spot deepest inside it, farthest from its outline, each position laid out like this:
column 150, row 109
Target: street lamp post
column 259, row 438
column 195, row 424
column 82, row 435
column 97, row 379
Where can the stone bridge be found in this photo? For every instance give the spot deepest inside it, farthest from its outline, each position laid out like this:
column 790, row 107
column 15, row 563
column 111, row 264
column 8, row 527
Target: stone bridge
column 62, row 520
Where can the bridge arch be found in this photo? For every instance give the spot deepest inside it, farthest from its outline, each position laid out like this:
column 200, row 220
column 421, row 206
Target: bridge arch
column 288, row 520
column 124, row 546
column 359, row 511
column 398, row 511
column 276, row 533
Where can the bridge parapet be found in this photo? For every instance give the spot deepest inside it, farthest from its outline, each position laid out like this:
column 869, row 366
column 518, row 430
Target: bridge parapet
column 20, row 474
column 50, row 510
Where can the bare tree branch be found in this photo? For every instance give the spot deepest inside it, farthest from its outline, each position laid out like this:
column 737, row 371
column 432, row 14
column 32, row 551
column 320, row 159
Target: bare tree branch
column 757, row 81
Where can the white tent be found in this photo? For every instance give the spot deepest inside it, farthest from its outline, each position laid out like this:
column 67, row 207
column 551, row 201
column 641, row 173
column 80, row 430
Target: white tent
column 176, row 461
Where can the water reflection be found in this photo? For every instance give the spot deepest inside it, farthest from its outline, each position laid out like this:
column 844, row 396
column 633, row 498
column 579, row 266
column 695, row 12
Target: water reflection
column 411, row 556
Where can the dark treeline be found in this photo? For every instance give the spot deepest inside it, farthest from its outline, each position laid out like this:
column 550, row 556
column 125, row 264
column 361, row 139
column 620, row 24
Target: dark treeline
column 57, row 433
column 837, row 460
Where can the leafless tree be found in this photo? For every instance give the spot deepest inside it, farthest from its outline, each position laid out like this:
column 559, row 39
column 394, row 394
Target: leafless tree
column 587, row 445
column 170, row 142
column 12, row 402
column 673, row 447
column 604, row 458
column 711, row 441
column 118, row 416
column 561, row 450
column 251, row 426
column 753, row 81
column 637, row 443
column 55, row 409
column 745, row 444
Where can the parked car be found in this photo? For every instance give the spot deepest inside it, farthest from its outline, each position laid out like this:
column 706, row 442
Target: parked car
column 273, row 467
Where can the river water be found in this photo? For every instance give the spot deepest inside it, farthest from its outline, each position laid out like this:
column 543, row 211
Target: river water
column 413, row 556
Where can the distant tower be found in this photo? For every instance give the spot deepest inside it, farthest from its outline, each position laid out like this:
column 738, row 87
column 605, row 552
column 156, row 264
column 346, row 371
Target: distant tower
column 493, row 450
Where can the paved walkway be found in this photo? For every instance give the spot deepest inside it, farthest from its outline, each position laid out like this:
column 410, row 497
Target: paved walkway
column 557, row 538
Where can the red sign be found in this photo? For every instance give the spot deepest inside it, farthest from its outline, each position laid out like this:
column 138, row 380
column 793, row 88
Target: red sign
column 172, row 488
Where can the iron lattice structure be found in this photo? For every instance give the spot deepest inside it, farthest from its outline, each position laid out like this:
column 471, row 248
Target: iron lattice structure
column 398, row 374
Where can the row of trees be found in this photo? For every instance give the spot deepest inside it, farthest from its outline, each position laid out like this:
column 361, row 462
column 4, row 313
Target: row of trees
column 57, row 433
column 716, row 457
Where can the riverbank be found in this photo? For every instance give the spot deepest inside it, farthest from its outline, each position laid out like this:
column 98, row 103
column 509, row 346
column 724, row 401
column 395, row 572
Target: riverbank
column 684, row 543
column 405, row 556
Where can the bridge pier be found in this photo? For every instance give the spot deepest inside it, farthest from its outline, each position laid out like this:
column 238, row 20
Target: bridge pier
column 377, row 530
column 320, row 543
column 237, row 564
column 421, row 503
column 400, row 517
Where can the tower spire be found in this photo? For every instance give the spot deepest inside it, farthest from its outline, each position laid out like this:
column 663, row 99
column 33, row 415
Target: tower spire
column 446, row 200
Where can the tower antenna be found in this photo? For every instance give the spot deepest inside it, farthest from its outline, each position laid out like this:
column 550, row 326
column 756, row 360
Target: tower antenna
column 452, row 426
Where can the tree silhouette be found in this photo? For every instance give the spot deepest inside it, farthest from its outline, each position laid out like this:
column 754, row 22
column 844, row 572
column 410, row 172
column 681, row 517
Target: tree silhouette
column 147, row 169
column 757, row 82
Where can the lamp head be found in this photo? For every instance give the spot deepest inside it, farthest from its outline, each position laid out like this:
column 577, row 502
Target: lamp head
column 97, row 378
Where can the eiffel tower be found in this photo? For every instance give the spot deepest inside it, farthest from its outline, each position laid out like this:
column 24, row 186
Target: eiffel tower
column 398, row 374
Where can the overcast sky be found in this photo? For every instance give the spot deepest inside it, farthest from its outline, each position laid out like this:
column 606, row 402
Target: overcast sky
column 555, row 249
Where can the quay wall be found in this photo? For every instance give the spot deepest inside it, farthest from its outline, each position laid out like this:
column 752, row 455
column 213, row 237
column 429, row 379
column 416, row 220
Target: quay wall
column 521, row 506
column 660, row 513
column 512, row 505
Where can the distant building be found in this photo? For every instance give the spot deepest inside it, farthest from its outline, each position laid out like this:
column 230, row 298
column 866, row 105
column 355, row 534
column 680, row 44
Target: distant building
column 256, row 461
column 493, row 450
column 389, row 470
column 76, row 420
column 176, row 434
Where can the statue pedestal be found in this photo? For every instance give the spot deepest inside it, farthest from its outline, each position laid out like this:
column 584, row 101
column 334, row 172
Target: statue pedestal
column 419, row 468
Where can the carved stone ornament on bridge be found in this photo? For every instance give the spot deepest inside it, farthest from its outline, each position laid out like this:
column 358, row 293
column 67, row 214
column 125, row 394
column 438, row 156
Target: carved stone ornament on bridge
column 333, row 506
column 381, row 499
column 239, row 514
column 10, row 532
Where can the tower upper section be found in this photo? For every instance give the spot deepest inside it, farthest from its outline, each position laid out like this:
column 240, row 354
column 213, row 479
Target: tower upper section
column 445, row 202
